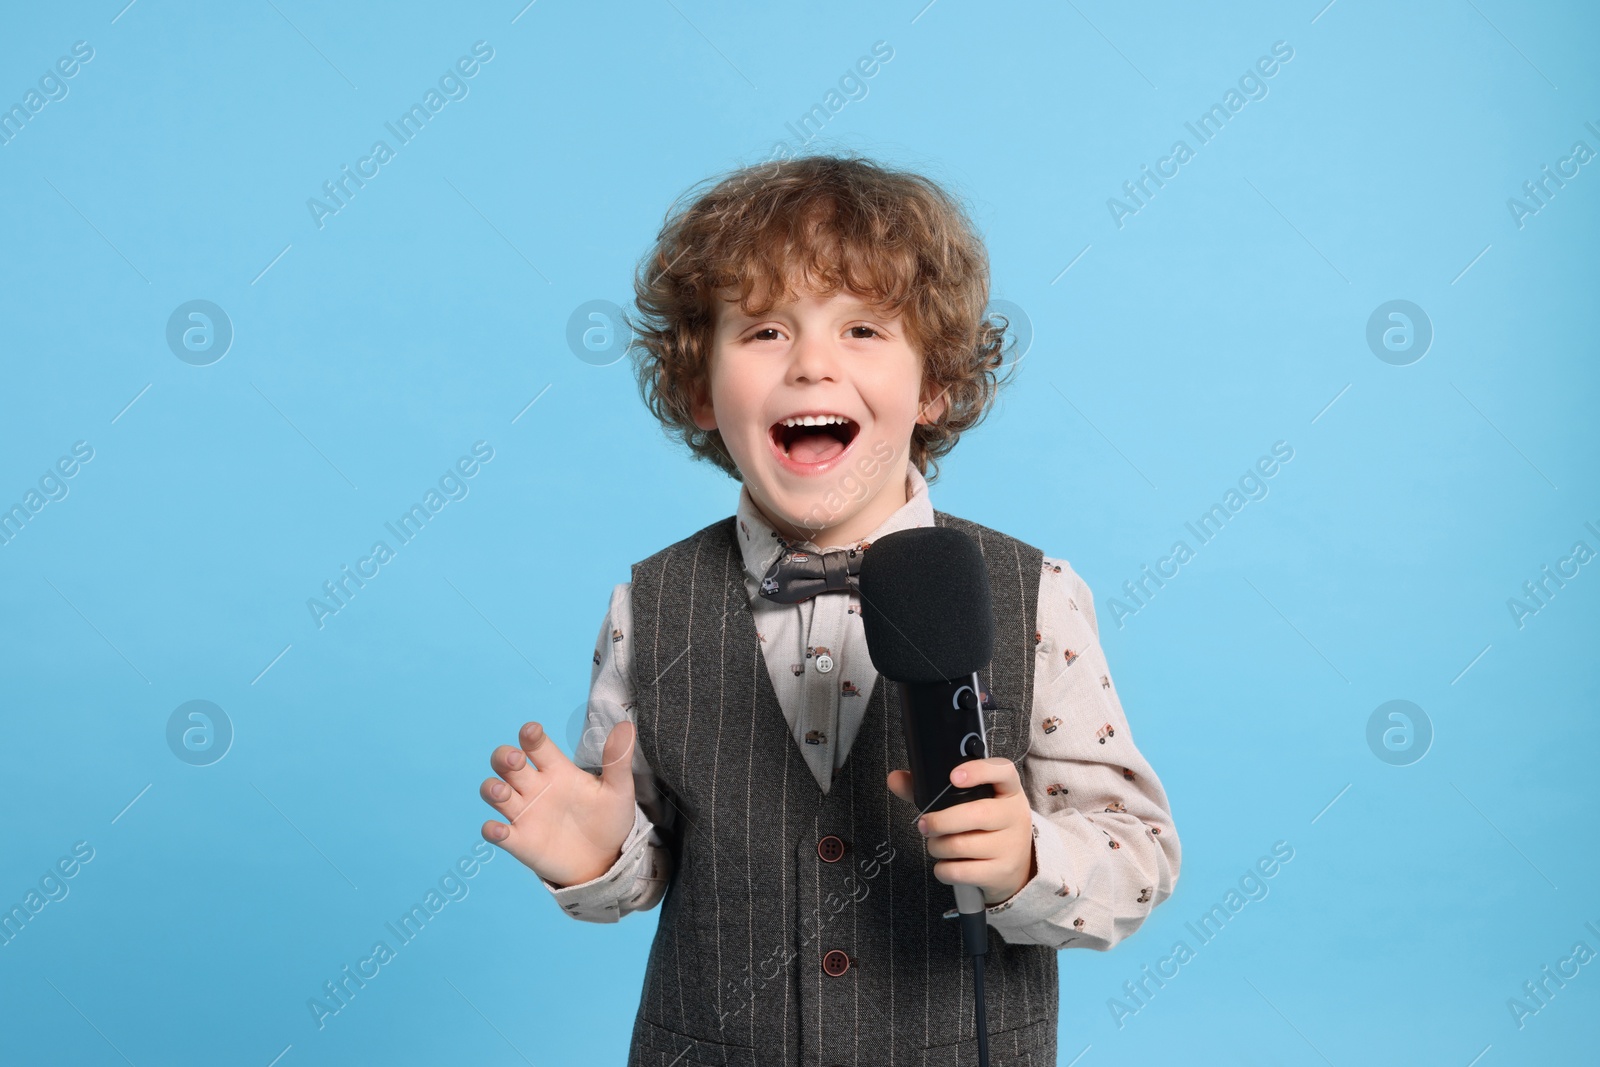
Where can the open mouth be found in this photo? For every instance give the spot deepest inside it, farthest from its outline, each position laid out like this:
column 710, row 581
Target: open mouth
column 808, row 440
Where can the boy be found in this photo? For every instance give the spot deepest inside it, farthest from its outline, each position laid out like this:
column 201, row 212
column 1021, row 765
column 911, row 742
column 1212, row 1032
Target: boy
column 817, row 331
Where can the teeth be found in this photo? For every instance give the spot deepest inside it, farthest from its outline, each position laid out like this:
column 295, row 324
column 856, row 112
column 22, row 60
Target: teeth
column 815, row 420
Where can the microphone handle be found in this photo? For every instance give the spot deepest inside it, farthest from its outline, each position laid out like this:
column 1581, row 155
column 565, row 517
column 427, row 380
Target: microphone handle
column 944, row 727
column 969, row 899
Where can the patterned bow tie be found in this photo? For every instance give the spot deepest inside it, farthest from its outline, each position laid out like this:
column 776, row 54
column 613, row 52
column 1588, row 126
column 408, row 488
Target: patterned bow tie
column 795, row 576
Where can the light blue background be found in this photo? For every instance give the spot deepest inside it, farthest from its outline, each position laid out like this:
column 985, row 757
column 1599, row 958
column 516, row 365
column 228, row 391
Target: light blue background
column 1228, row 314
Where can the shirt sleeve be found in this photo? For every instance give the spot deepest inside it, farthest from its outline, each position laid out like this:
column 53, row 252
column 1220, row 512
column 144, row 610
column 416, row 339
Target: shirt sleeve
column 637, row 881
column 1104, row 842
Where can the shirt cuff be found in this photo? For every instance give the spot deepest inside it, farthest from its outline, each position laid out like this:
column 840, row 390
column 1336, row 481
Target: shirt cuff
column 600, row 898
column 1047, row 894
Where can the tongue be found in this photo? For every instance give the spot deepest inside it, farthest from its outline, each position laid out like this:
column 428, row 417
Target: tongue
column 816, row 447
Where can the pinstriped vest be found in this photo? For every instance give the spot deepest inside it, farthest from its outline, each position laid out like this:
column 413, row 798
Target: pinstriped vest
column 766, row 952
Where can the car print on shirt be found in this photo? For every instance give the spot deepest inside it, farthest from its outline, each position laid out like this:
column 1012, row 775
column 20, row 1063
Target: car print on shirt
column 1144, row 895
column 769, row 585
column 616, row 635
column 1105, row 681
column 1129, row 775
column 1053, row 568
column 1077, row 924
column 816, row 737
column 1050, row 724
column 1104, row 732
column 1116, row 805
column 1056, row 789
column 1071, row 656
column 798, row 668
column 597, row 657
column 744, row 530
column 848, row 688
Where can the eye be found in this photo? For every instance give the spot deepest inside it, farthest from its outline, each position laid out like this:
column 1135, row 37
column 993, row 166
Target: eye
column 767, row 329
column 870, row 329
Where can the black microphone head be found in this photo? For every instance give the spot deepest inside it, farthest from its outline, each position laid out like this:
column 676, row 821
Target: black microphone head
column 925, row 605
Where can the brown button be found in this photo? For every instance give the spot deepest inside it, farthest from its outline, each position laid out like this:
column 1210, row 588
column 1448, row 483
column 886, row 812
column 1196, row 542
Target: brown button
column 836, row 963
column 831, row 849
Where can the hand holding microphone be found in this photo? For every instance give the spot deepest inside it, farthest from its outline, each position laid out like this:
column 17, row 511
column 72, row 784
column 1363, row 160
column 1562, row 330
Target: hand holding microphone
column 983, row 843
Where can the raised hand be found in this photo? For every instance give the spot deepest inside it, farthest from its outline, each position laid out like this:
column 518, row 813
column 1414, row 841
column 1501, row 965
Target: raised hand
column 564, row 823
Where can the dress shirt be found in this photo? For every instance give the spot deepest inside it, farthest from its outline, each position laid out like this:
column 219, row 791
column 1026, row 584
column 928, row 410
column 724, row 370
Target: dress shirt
column 1090, row 890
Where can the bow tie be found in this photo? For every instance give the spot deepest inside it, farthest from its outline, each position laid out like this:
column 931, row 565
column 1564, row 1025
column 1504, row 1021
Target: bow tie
column 795, row 576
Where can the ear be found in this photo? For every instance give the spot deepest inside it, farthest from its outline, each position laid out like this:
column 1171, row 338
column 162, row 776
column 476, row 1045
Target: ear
column 935, row 401
column 700, row 409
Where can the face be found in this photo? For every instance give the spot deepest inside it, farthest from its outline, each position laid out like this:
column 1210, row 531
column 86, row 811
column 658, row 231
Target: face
column 854, row 374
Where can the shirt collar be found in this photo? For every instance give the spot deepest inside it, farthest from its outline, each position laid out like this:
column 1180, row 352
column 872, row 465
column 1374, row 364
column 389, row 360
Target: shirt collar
column 758, row 541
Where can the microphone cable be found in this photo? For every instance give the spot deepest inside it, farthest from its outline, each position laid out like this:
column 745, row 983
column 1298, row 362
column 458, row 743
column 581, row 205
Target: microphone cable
column 975, row 936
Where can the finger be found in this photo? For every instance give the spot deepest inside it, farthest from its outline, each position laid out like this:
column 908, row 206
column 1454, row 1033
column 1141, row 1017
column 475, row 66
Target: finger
column 542, row 752
column 992, row 813
column 964, row 872
column 900, row 785
column 976, row 845
column 502, row 798
column 496, row 832
column 514, row 802
column 994, row 770
column 512, row 765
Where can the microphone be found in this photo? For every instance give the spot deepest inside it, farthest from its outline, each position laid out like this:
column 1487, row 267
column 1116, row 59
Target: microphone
column 929, row 626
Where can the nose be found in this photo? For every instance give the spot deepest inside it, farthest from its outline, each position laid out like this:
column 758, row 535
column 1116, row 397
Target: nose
column 812, row 359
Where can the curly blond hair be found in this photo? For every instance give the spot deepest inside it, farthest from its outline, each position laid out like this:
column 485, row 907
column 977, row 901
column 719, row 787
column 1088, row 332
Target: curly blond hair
column 823, row 222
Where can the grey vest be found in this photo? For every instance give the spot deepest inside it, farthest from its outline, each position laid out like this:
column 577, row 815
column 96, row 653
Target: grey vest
column 803, row 928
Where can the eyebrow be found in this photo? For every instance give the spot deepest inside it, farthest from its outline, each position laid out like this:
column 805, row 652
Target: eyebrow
column 731, row 311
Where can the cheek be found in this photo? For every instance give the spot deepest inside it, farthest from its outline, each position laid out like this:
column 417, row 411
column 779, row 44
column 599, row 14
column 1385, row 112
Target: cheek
column 736, row 405
column 738, row 395
column 891, row 392
column 902, row 415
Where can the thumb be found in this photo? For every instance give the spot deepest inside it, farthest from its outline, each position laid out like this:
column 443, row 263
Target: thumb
column 616, row 758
